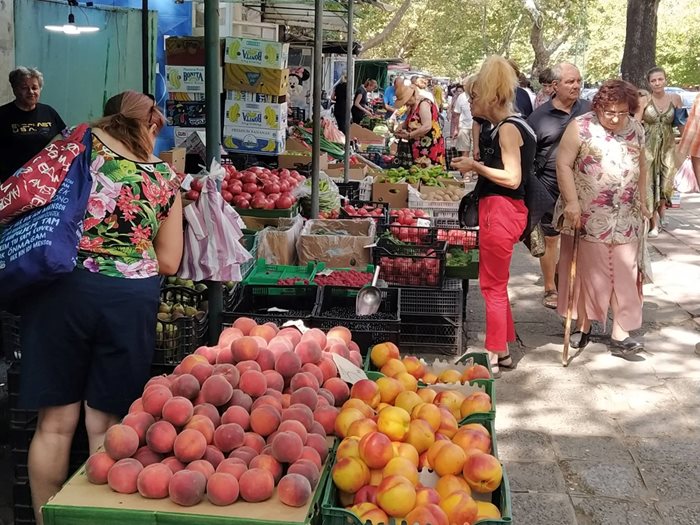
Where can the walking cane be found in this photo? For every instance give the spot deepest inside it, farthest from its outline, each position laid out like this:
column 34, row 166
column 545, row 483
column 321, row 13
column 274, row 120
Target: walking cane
column 570, row 300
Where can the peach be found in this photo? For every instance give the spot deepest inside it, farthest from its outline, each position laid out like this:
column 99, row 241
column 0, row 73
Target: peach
column 327, row 367
column 476, row 426
column 472, row 439
column 265, row 359
column 370, row 513
column 344, row 419
column 228, row 335
column 400, row 466
column 245, row 348
column 236, row 414
column 420, row 435
column 304, row 379
column 226, row 370
column 299, row 412
column 290, row 333
column 274, row 380
column 190, row 361
column 244, row 366
column 389, row 388
column 256, row 485
column 459, row 507
column 314, row 370
column 362, row 427
column 189, row 445
column 210, row 352
column 160, row 437
column 287, row 447
column 213, row 455
column 202, row 424
column 356, row 358
column 427, row 513
column 146, row 456
column 140, row 422
column 225, row 356
column 360, row 405
column 406, row 451
column 153, row 399
column 309, row 351
column 217, row 390
column 203, row 466
column 430, row 378
column 242, row 399
column 396, row 496
column 234, row 466
column 265, row 331
column 201, row 372
column 408, row 382
column 174, row 464
column 312, row 455
column 448, row 423
column 186, row 487
column 123, row 474
column 475, row 372
column 450, row 483
column 451, row 400
column 253, row 383
column 254, row 441
column 429, row 413
column 136, row 406
column 319, row 444
column 350, row 474
column 486, row 510
column 97, row 467
column 222, row 489
column 368, row 493
column 178, row 410
column 348, row 447
column 382, row 352
column 449, row 375
column 288, row 364
column 475, row 403
column 336, row 346
column 186, row 385
column 326, row 394
column 367, row 391
column 152, row 482
column 394, row 422
column 407, row 400
column 375, row 477
column 414, row 366
column 426, row 495
column 277, row 395
column 339, row 389
column 305, row 395
column 228, row 437
column 482, row 471
column 294, row 490
column 267, row 399
column 376, row 450
column 268, row 463
column 428, row 395
column 264, row 420
column 157, row 380
column 449, row 460
column 340, row 332
column 292, row 425
column 208, row 410
column 316, row 335
column 434, row 449
column 393, row 367
column 244, row 324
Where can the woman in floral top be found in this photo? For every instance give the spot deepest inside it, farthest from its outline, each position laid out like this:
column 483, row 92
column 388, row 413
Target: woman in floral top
column 421, row 127
column 602, row 177
column 88, row 338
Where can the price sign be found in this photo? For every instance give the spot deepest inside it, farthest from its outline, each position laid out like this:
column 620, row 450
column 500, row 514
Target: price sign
column 347, row 370
column 274, row 309
column 298, row 324
column 423, row 223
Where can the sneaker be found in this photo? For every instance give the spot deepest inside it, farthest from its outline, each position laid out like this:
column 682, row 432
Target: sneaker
column 653, row 233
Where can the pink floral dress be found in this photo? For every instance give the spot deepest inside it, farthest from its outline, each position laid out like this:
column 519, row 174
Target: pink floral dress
column 128, row 202
column 606, row 175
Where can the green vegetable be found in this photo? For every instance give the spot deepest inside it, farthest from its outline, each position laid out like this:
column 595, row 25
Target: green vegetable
column 458, row 257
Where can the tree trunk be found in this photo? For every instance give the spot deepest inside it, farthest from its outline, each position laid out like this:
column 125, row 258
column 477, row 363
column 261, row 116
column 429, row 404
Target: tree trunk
column 390, row 27
column 543, row 51
column 640, row 41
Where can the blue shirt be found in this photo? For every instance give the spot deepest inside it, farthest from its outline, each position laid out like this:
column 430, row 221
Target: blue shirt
column 390, row 96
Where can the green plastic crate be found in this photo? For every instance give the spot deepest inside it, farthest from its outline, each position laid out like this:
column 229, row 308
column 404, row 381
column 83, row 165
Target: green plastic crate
column 470, row 271
column 268, row 214
column 333, row 514
column 367, row 269
column 264, row 274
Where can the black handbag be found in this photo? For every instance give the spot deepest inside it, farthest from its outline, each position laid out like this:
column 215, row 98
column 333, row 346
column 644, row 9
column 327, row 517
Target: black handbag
column 468, row 212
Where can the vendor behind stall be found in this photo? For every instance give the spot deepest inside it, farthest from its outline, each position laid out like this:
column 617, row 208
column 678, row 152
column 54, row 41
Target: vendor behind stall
column 421, row 127
column 360, row 105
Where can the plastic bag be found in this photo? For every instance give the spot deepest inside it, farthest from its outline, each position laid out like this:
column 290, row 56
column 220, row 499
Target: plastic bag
column 328, row 195
column 279, row 245
column 212, row 248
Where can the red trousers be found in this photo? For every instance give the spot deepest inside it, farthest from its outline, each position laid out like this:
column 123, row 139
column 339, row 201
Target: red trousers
column 501, row 223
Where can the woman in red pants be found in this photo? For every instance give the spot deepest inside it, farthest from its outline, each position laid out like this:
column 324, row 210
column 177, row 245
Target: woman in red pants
column 501, row 190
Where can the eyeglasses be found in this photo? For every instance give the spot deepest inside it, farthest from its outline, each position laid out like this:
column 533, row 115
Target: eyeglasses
column 613, row 114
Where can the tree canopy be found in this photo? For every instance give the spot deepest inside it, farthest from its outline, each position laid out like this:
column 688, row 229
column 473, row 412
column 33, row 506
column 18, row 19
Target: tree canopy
column 451, row 37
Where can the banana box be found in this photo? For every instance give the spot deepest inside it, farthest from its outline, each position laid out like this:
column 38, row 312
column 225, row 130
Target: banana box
column 245, row 96
column 268, row 116
column 252, row 52
column 242, row 139
column 256, row 79
column 184, row 79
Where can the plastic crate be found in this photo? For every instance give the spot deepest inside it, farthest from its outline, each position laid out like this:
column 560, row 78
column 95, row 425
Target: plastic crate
column 263, row 274
column 293, row 302
column 436, row 209
column 411, row 234
column 268, row 214
column 381, row 220
column 182, row 295
column 10, row 325
column 369, row 270
column 409, row 263
column 468, row 271
column 250, row 243
column 350, row 190
column 447, row 301
column 336, row 307
column 435, row 335
column 174, row 340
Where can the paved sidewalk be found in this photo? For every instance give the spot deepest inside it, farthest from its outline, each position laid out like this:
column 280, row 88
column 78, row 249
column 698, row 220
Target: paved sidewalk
column 605, row 441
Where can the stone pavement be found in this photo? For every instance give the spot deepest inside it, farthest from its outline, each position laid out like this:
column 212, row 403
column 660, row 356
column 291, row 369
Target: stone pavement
column 605, row 441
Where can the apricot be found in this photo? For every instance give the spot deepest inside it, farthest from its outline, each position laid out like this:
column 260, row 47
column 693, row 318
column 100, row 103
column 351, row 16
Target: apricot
column 407, row 400
column 153, row 481
column 160, row 437
column 448, row 423
column 449, row 460
column 367, row 494
column 475, row 372
column 344, row 419
column 362, row 427
column 153, row 399
column 393, row 367
column 389, row 389
column 228, row 436
column 428, row 395
column 146, row 456
column 420, row 435
column 434, row 449
column 97, row 467
column 414, row 366
column 375, row 450
column 256, row 485
column 234, row 466
column 475, row 403
column 360, row 405
column 382, row 352
column 472, row 439
column 288, row 364
column 264, row 420
column 306, row 468
column 350, row 474
column 366, row 390
column 186, row 385
column 202, row 424
column 123, row 474
column 459, row 507
column 369, row 513
column 186, row 487
column 339, row 389
column 394, row 422
column 253, row 383
column 425, row 495
column 407, row 451
column 486, row 510
column 348, row 447
column 451, row 400
column 450, row 483
column 430, row 378
column 482, row 471
column 396, row 496
column 427, row 513
column 401, row 466
column 174, row 464
column 449, row 375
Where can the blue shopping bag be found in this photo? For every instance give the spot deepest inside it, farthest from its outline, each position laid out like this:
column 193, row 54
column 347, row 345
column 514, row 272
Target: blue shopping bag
column 41, row 245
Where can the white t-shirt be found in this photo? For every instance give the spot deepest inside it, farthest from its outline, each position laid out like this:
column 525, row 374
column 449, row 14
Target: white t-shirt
column 427, row 94
column 464, row 109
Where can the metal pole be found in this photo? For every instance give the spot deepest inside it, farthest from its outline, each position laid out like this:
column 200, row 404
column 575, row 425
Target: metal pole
column 145, row 55
column 349, row 91
column 212, row 78
column 318, row 77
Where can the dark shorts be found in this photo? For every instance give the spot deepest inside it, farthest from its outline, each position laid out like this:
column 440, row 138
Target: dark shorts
column 88, row 337
column 547, row 227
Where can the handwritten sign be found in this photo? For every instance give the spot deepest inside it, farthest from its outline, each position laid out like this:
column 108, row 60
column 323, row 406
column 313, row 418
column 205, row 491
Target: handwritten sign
column 298, row 324
column 347, row 370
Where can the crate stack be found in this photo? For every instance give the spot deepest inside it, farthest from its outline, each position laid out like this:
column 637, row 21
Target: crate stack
column 256, row 81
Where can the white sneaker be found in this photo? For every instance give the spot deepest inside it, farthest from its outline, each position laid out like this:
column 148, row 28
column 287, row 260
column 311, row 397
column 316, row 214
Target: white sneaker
column 653, row 233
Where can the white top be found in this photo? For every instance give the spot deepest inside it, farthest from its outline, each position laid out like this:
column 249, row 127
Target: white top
column 464, row 109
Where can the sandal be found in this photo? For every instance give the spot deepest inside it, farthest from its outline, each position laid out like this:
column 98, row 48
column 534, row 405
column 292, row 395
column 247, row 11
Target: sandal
column 505, row 361
column 550, row 300
column 495, row 369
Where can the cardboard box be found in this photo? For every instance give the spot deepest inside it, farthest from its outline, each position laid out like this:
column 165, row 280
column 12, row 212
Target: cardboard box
column 256, row 79
column 196, row 144
column 175, row 157
column 365, row 137
column 245, row 96
column 254, row 114
column 187, row 97
column 184, row 79
column 342, row 250
column 253, row 52
column 182, row 134
column 355, row 173
column 188, row 51
column 277, row 242
column 185, row 114
column 291, row 161
column 242, row 139
column 396, row 195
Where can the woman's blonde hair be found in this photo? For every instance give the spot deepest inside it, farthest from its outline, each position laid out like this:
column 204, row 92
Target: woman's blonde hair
column 128, row 117
column 496, row 81
column 438, row 94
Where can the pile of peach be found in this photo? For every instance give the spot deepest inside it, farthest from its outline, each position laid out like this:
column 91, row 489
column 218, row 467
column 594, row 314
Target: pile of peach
column 234, row 420
column 392, row 431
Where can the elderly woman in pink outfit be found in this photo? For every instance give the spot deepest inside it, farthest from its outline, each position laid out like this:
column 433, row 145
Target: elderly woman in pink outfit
column 602, row 177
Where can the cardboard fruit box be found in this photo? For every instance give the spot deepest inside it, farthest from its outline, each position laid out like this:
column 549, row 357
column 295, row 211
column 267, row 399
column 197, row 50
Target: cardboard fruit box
column 255, row 115
column 243, row 139
column 256, row 79
column 253, row 52
column 340, row 243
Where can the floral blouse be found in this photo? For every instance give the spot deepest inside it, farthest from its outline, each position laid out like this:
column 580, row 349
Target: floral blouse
column 429, row 150
column 606, row 175
column 128, row 202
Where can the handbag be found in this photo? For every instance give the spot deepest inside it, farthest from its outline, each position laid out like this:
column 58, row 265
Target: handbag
column 468, row 212
column 680, row 117
column 41, row 245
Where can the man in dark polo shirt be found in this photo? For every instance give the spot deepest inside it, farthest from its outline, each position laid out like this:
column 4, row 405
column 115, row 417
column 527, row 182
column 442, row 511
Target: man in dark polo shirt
column 549, row 122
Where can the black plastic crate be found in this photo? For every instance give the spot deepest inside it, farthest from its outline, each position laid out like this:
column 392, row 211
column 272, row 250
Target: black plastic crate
column 289, row 303
column 409, row 234
column 411, row 264
column 337, row 308
column 434, row 335
column 381, row 220
column 24, row 514
column 455, row 236
column 350, row 190
column 298, row 114
column 183, row 295
column 9, row 323
column 174, row 340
